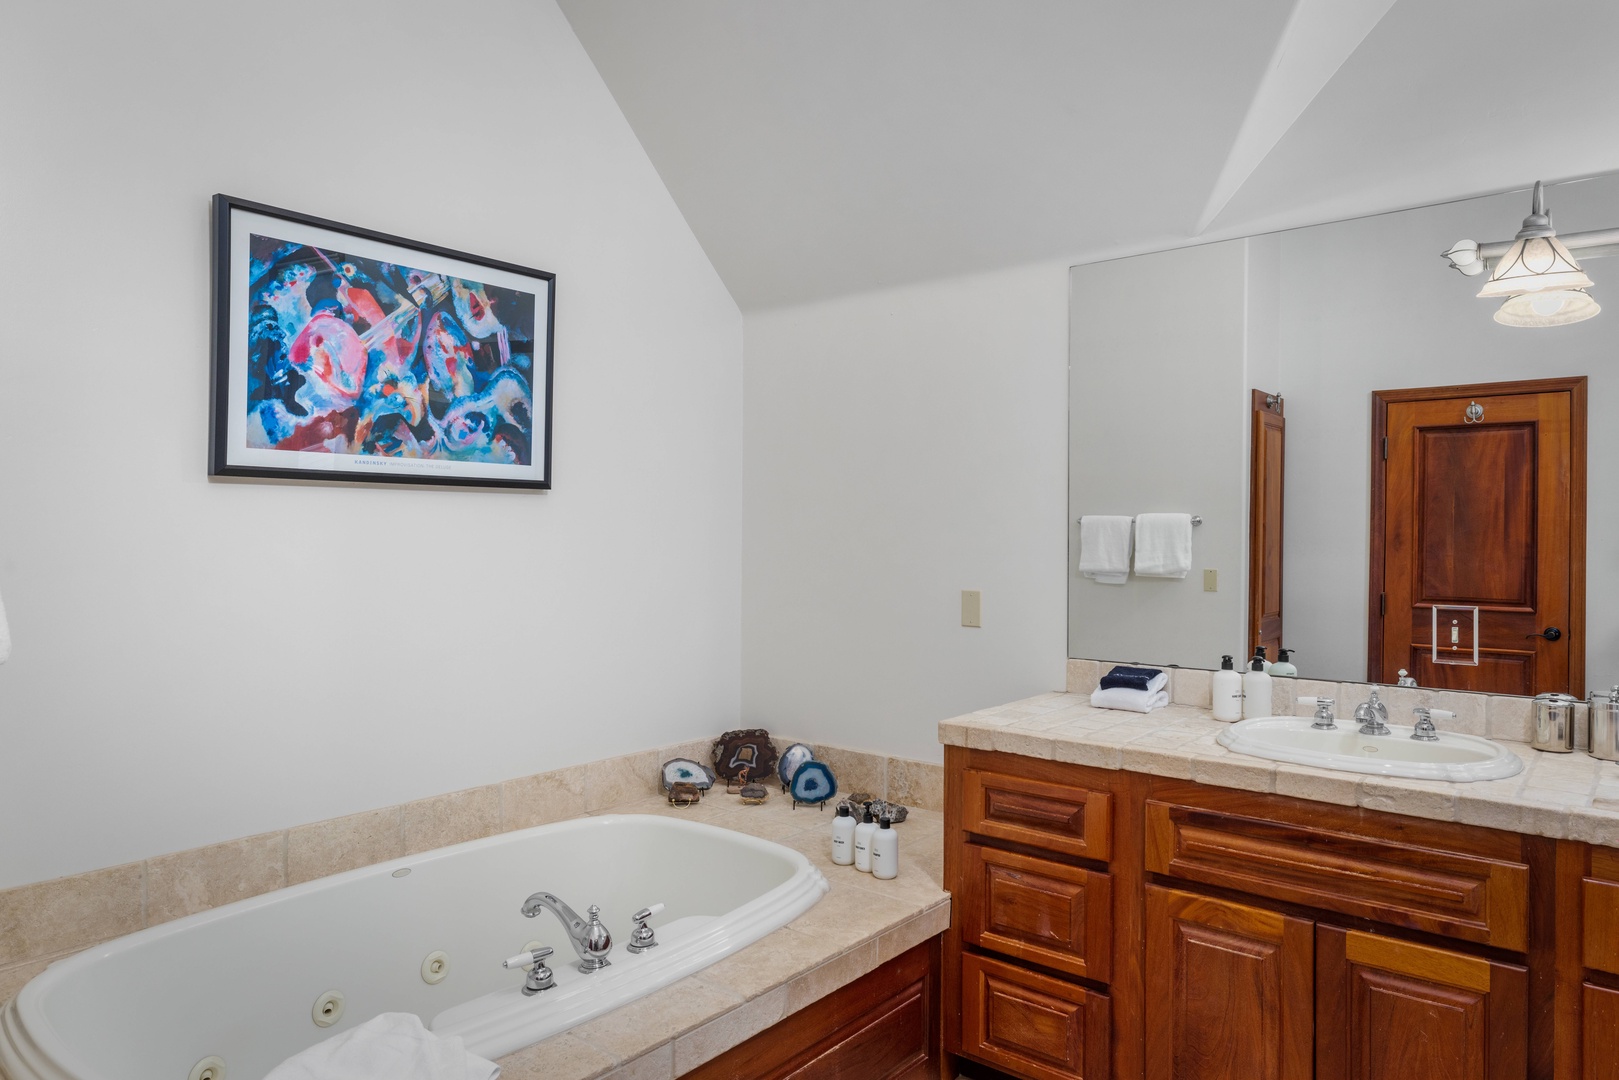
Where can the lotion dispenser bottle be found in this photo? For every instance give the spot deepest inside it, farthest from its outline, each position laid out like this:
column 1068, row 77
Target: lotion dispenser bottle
column 885, row 851
column 1255, row 689
column 843, row 837
column 862, row 841
column 1283, row 668
column 1226, row 686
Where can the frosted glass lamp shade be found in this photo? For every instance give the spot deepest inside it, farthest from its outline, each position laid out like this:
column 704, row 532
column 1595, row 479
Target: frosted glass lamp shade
column 1535, row 264
column 1558, row 307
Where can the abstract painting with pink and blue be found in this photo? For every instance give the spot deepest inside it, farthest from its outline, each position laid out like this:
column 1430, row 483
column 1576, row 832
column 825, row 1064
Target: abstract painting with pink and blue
column 348, row 355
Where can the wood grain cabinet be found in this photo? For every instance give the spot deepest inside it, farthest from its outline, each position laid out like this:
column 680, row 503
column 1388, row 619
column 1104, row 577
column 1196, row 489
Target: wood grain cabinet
column 1229, row 990
column 1388, row 1009
column 1142, row 928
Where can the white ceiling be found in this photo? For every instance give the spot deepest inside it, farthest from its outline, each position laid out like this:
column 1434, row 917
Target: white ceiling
column 821, row 147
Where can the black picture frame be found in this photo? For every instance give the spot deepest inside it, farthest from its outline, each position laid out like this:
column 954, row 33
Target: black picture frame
column 347, row 354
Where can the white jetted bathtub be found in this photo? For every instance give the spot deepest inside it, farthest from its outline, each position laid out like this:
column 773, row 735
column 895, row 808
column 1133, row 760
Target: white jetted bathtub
column 426, row 934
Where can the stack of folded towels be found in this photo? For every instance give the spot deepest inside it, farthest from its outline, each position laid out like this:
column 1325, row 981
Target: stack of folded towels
column 1134, row 689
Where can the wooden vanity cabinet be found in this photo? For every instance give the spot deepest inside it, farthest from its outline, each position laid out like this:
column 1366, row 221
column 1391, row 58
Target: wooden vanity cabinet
column 1035, row 915
column 1214, row 934
column 1392, row 1009
column 1229, row 989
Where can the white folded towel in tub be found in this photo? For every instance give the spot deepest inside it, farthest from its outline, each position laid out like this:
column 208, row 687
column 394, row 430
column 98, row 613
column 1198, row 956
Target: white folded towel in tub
column 1104, row 548
column 392, row 1046
column 1119, row 697
column 1163, row 545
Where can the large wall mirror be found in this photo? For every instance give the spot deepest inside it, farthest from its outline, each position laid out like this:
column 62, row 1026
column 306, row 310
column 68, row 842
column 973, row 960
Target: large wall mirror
column 1166, row 349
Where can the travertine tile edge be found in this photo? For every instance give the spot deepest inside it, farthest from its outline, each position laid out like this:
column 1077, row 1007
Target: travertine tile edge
column 732, row 1025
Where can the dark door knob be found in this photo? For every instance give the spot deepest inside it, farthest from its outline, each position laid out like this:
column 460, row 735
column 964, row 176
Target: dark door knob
column 1551, row 633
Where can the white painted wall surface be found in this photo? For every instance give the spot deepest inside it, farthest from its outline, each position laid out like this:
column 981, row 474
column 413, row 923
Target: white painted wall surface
column 902, row 446
column 200, row 660
column 1158, row 402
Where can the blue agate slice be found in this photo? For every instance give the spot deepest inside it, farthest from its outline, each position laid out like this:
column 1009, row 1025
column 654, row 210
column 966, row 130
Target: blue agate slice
column 813, row 783
column 686, row 771
column 791, row 758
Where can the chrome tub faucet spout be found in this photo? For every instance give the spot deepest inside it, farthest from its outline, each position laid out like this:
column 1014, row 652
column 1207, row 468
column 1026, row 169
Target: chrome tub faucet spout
column 590, row 938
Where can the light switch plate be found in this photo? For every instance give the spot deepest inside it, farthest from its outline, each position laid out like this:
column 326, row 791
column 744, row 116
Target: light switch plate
column 1211, row 581
column 972, row 608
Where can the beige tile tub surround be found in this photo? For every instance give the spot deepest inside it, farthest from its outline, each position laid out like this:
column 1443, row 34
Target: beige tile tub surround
column 49, row 920
column 1571, row 796
column 1491, row 715
column 191, row 881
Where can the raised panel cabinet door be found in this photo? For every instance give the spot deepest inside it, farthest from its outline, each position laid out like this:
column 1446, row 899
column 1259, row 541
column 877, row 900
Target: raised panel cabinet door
column 1228, row 990
column 1036, row 910
column 1032, row 1025
column 1601, row 1023
column 1388, row 1009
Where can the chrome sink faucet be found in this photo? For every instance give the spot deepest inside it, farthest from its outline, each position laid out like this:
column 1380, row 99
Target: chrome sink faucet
column 590, row 939
column 1373, row 716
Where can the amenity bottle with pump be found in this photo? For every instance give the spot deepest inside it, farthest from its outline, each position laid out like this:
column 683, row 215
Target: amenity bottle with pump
column 862, row 841
column 885, row 851
column 1226, row 686
column 1283, row 668
column 1256, row 688
column 843, row 837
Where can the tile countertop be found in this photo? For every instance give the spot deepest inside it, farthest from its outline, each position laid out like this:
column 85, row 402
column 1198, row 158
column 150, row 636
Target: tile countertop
column 861, row 923
column 1566, row 796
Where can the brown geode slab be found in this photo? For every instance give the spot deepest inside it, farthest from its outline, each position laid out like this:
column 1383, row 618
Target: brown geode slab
column 748, row 749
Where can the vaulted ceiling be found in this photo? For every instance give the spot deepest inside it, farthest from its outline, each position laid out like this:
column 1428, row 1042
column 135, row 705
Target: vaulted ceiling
column 821, row 147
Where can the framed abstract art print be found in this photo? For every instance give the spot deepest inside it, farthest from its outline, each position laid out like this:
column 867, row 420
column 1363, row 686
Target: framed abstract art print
column 346, row 354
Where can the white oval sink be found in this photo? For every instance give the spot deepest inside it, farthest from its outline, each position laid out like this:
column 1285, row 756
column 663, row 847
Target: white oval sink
column 1291, row 738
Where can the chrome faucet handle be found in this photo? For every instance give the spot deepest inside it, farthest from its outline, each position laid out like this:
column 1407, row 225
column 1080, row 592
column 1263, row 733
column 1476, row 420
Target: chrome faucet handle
column 642, row 937
column 1423, row 730
column 540, row 977
column 1323, row 711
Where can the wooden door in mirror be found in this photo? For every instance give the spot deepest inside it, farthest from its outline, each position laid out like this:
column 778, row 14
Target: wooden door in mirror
column 1265, row 524
column 1478, row 504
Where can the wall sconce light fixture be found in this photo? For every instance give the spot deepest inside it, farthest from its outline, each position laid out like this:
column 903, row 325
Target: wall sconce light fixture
column 1535, row 274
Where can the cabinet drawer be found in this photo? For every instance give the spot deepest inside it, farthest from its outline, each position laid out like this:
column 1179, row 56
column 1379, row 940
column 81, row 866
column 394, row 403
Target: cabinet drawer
column 1043, row 912
column 1056, row 817
column 1442, row 892
column 1033, row 1025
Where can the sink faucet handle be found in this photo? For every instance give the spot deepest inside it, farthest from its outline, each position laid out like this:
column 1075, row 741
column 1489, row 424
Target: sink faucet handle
column 642, row 937
column 1323, row 711
column 1423, row 730
column 540, row 977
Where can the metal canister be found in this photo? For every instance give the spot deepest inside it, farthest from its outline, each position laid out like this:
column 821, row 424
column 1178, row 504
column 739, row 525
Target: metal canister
column 1605, row 725
column 1554, row 723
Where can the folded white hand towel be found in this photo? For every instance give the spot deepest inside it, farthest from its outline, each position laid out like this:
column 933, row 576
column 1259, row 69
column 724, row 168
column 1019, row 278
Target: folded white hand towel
column 1163, row 545
column 1104, row 548
column 392, row 1045
column 1142, row 701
